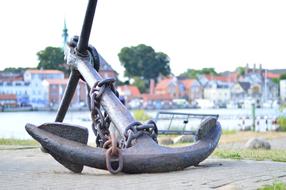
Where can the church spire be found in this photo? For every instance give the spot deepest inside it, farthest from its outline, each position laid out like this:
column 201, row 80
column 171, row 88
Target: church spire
column 65, row 35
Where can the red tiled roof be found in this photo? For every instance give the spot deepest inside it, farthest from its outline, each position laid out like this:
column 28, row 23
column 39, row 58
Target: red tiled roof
column 8, row 97
column 188, row 83
column 49, row 71
column 218, row 78
column 163, row 84
column 147, row 97
column 11, row 79
column 57, row 81
column 132, row 89
column 233, row 77
column 271, row 75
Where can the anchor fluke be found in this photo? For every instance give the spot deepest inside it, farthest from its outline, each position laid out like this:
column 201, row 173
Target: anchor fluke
column 70, row 132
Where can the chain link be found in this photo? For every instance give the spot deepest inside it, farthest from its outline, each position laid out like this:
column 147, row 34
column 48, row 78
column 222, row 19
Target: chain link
column 137, row 129
column 100, row 121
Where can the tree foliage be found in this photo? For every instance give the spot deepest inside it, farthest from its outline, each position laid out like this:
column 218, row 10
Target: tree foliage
column 283, row 76
column 140, row 83
column 16, row 70
column 241, row 71
column 52, row 58
column 193, row 73
column 143, row 61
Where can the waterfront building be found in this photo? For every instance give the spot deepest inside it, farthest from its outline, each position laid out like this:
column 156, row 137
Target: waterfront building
column 29, row 89
column 128, row 92
column 239, row 91
column 170, row 86
column 32, row 74
column 8, row 100
column 105, row 70
column 193, row 89
column 283, row 90
column 37, row 92
column 54, row 91
column 17, row 87
column 217, row 91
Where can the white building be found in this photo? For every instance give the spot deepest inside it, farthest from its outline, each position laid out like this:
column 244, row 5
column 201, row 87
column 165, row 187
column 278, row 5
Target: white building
column 37, row 90
column 217, row 91
column 31, row 90
column 18, row 88
column 283, row 90
column 33, row 74
column 54, row 91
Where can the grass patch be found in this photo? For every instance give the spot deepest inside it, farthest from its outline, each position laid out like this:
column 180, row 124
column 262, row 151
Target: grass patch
column 244, row 136
column 274, row 186
column 227, row 154
column 12, row 141
column 229, row 132
column 141, row 115
column 274, row 155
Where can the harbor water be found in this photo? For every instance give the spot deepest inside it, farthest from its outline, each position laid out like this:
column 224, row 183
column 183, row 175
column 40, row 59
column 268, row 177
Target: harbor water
column 13, row 123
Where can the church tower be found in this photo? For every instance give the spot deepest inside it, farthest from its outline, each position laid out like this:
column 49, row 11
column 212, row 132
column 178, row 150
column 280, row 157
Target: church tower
column 65, row 35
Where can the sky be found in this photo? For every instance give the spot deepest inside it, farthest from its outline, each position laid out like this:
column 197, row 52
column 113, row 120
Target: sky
column 223, row 34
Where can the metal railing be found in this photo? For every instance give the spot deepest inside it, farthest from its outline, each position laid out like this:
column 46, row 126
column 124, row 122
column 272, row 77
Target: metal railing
column 181, row 120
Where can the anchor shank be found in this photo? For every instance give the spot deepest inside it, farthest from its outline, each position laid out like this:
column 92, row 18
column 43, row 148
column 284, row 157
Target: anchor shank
column 86, row 28
column 118, row 113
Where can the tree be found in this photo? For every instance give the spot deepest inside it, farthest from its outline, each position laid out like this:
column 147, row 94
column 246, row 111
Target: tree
column 143, row 62
column 208, row 71
column 140, row 84
column 241, row 71
column 283, row 76
column 16, row 70
column 52, row 58
column 192, row 73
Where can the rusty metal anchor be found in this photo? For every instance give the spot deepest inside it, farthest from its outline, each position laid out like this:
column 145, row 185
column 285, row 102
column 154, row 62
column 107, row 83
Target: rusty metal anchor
column 131, row 146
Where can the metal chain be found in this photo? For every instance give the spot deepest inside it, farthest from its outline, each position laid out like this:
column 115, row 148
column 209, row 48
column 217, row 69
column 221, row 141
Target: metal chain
column 137, row 129
column 100, row 121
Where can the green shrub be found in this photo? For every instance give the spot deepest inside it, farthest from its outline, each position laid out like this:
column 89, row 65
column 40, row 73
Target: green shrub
column 140, row 115
column 282, row 123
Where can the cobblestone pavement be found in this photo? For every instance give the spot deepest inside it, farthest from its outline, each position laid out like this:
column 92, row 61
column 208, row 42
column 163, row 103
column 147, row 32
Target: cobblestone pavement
column 32, row 169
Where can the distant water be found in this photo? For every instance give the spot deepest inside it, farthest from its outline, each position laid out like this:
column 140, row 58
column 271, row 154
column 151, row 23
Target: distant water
column 13, row 123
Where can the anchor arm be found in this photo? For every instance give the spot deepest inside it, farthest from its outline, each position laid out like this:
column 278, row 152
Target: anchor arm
column 145, row 156
column 68, row 95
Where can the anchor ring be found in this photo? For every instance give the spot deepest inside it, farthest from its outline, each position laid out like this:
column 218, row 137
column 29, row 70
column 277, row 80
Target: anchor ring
column 112, row 159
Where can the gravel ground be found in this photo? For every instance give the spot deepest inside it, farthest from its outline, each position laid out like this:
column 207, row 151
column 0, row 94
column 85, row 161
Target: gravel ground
column 278, row 143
